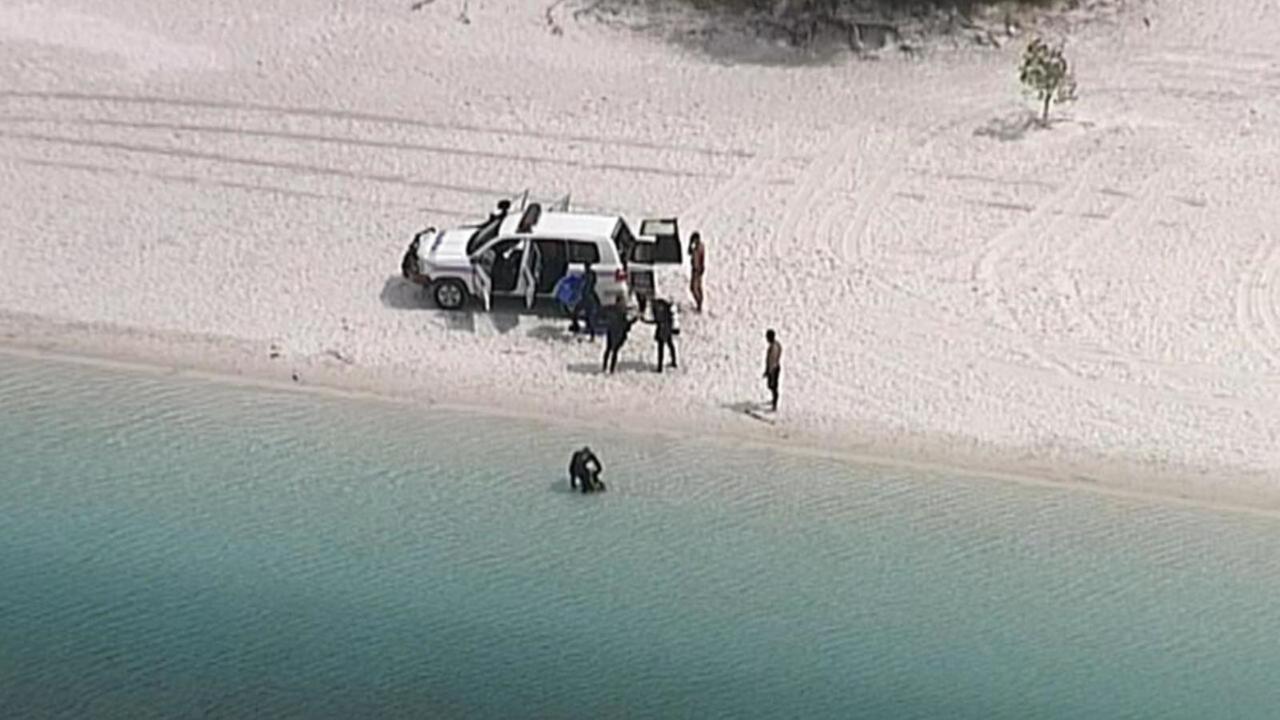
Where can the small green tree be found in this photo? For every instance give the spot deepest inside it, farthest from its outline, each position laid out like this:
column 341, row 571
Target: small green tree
column 1047, row 74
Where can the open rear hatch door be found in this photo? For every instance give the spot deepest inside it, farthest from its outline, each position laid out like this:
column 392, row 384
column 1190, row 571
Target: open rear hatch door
column 657, row 244
column 665, row 236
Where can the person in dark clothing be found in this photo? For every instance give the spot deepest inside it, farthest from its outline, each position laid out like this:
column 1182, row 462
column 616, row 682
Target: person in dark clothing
column 589, row 305
column 773, row 366
column 409, row 265
column 568, row 292
column 617, row 327
column 664, row 330
column 500, row 213
column 584, row 471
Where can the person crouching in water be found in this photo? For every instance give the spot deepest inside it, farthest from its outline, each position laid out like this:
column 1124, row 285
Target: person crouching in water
column 584, row 471
column 617, row 327
column 664, row 330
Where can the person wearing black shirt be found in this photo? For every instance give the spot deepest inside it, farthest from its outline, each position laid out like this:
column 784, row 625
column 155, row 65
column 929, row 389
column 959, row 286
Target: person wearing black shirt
column 589, row 305
column 617, row 327
column 584, row 471
column 664, row 330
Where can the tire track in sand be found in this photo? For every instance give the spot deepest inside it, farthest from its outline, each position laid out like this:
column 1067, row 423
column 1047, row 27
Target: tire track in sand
column 814, row 183
column 1131, row 210
column 370, row 117
column 1256, row 316
column 901, row 153
column 884, row 173
column 748, row 176
column 984, row 271
column 886, row 181
column 440, row 149
column 838, row 240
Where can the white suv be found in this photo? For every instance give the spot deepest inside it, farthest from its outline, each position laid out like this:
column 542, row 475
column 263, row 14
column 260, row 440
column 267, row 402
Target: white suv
column 522, row 255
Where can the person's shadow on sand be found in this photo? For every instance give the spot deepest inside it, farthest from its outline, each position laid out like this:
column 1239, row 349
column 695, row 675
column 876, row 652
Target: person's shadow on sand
column 754, row 410
column 554, row 333
column 593, row 368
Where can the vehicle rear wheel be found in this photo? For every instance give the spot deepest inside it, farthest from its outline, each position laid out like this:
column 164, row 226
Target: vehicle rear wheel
column 449, row 294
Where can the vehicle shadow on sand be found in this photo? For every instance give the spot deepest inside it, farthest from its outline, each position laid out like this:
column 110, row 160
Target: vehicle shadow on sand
column 507, row 314
column 556, row 333
column 401, row 294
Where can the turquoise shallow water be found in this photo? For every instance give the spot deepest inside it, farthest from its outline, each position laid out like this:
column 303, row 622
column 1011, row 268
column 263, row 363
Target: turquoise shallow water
column 175, row 548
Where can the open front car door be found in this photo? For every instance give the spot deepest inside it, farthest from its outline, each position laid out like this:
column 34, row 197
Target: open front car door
column 482, row 277
column 530, row 272
column 657, row 244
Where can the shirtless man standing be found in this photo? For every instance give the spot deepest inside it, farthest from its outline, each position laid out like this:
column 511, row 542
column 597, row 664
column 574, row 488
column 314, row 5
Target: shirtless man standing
column 697, row 268
column 773, row 366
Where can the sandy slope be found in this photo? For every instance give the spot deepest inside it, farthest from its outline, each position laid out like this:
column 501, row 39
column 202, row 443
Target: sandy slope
column 1098, row 300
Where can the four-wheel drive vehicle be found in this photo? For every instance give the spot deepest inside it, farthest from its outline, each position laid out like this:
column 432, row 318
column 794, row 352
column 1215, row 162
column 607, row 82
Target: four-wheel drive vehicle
column 522, row 255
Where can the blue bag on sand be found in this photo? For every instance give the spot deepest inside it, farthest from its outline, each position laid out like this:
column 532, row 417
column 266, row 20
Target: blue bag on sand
column 568, row 290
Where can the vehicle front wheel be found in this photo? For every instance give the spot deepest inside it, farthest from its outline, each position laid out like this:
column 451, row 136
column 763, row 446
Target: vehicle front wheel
column 449, row 294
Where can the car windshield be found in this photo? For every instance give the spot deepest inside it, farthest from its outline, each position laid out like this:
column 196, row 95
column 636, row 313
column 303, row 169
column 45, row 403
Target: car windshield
column 483, row 234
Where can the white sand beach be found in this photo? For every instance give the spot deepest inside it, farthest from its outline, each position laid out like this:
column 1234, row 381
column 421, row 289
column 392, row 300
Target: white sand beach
column 207, row 186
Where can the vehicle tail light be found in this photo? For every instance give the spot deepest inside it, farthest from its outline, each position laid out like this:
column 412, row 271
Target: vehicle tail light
column 620, row 275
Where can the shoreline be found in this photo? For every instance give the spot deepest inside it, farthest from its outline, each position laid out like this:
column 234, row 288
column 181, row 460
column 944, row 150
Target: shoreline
column 230, row 361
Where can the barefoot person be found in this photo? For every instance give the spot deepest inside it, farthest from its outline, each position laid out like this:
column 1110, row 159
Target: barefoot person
column 773, row 366
column 664, row 330
column 697, row 268
column 501, row 213
column 617, row 327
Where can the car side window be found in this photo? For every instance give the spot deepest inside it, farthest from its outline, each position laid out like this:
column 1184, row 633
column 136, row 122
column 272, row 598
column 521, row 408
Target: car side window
column 552, row 249
column 642, row 252
column 499, row 249
column 583, row 252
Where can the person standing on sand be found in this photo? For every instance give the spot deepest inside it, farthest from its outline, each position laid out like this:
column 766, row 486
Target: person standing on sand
column 501, row 213
column 773, row 366
column 697, row 268
column 589, row 304
column 568, row 293
column 664, row 330
column 617, row 327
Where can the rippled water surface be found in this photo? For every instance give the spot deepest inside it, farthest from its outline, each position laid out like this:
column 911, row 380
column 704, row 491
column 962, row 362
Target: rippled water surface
column 175, row 548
